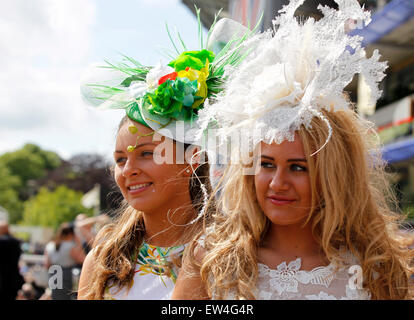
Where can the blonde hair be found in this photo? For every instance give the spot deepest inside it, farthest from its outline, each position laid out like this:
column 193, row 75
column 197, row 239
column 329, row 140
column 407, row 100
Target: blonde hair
column 351, row 199
column 116, row 245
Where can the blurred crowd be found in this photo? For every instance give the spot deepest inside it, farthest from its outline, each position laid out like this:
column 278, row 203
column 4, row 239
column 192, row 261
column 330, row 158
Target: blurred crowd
column 50, row 271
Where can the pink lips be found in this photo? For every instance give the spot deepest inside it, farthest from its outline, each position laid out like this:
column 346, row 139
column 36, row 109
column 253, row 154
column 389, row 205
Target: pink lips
column 280, row 201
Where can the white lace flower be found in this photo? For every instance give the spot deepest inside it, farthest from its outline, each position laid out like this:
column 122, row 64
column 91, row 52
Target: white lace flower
column 272, row 87
column 283, row 278
column 288, row 282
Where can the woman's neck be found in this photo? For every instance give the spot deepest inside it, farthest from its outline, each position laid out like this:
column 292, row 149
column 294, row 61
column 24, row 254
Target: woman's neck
column 164, row 228
column 291, row 241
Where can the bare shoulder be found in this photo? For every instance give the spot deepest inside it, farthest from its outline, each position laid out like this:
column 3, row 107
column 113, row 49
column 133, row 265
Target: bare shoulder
column 89, row 260
column 87, row 270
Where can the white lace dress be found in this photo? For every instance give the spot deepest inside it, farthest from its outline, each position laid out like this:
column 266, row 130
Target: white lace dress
column 288, row 282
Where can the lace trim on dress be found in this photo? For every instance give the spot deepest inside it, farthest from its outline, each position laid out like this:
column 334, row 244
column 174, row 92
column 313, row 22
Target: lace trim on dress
column 287, row 281
column 287, row 277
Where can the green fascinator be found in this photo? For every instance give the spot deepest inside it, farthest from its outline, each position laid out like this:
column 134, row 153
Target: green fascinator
column 164, row 97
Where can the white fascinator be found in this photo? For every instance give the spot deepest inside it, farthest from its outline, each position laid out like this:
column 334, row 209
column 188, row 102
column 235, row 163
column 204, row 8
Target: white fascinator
column 291, row 73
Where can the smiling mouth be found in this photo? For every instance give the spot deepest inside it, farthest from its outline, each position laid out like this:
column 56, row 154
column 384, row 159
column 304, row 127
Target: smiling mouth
column 139, row 187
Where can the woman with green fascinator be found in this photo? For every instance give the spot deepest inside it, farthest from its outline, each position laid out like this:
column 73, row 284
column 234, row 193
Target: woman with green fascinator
column 138, row 256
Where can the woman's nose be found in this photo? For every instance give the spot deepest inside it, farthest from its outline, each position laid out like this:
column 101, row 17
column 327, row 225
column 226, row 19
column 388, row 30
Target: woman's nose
column 280, row 181
column 131, row 168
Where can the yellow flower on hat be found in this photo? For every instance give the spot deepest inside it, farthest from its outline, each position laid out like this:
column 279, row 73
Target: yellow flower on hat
column 201, row 77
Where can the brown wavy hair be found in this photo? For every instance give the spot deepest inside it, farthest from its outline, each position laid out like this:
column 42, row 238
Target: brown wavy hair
column 116, row 244
column 352, row 205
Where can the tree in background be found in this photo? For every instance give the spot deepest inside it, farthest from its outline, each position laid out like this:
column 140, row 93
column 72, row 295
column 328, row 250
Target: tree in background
column 18, row 170
column 27, row 171
column 9, row 197
column 30, row 162
column 81, row 173
column 51, row 208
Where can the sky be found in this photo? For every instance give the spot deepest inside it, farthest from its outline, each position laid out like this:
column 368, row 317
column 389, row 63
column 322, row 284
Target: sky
column 46, row 47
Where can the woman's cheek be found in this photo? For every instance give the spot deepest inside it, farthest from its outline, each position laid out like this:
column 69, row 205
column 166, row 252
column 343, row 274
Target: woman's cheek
column 261, row 188
column 119, row 179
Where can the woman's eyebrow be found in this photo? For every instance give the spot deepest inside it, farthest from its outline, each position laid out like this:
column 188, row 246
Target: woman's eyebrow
column 297, row 160
column 138, row 146
column 289, row 160
column 267, row 157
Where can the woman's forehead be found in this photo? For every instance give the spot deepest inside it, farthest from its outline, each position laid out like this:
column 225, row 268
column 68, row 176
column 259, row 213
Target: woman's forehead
column 139, row 127
column 133, row 133
column 286, row 148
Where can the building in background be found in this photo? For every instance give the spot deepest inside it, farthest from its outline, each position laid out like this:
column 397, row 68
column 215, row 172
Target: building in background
column 391, row 31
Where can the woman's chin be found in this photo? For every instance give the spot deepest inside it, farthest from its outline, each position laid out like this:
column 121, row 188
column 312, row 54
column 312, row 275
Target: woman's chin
column 285, row 218
column 144, row 204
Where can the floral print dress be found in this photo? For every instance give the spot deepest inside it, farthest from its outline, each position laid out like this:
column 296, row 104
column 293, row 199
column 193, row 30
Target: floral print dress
column 155, row 275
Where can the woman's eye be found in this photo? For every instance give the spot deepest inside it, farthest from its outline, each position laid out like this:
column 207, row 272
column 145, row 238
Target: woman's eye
column 296, row 167
column 120, row 160
column 265, row 164
column 146, row 153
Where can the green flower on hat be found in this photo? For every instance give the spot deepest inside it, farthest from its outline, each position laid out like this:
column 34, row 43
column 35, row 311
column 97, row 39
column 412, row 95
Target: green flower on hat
column 184, row 91
column 171, row 97
column 193, row 59
column 156, row 96
column 161, row 101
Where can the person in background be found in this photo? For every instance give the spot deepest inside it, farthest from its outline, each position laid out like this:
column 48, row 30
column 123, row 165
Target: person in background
column 10, row 278
column 31, row 289
column 86, row 228
column 65, row 251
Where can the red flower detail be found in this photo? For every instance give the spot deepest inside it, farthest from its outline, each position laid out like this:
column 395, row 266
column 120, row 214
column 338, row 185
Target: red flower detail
column 170, row 76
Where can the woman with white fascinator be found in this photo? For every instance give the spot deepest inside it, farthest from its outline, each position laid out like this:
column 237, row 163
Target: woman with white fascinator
column 163, row 185
column 304, row 206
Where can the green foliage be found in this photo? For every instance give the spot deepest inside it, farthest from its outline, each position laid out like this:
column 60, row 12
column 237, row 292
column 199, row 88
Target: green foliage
column 23, row 164
column 8, row 181
column 52, row 160
column 51, row 208
column 9, row 198
column 10, row 201
column 30, row 162
column 24, row 172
